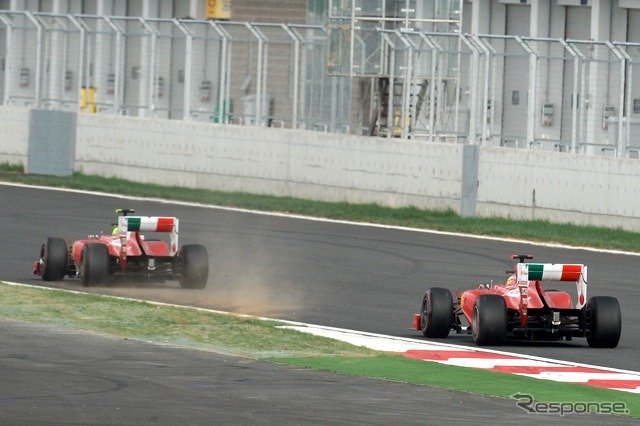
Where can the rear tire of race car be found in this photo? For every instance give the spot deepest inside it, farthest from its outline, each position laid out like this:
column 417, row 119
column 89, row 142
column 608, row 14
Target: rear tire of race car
column 437, row 313
column 489, row 325
column 54, row 257
column 94, row 264
column 195, row 266
column 606, row 322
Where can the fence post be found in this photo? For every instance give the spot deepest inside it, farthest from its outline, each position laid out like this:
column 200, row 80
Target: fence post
column 79, row 84
column 622, row 149
column 629, row 81
column 38, row 74
column 531, row 99
column 8, row 66
column 188, row 53
column 473, row 98
column 485, row 89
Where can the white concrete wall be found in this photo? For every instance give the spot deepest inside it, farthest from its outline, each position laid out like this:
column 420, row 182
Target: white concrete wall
column 284, row 162
column 569, row 188
column 14, row 135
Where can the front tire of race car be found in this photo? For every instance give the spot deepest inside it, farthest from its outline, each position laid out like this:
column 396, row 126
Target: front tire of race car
column 489, row 324
column 94, row 264
column 436, row 313
column 54, row 259
column 606, row 322
column 195, row 266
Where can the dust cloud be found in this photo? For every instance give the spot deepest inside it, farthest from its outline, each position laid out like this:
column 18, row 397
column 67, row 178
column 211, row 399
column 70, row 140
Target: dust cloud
column 251, row 271
column 238, row 290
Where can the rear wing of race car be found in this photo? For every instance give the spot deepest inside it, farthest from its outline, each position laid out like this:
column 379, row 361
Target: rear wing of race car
column 576, row 273
column 150, row 224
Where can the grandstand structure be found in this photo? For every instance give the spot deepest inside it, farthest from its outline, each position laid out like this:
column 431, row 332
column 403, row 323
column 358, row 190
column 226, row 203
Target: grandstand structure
column 553, row 75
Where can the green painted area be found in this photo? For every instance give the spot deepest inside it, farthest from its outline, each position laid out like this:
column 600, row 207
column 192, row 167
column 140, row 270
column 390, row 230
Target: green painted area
column 133, row 223
column 535, row 271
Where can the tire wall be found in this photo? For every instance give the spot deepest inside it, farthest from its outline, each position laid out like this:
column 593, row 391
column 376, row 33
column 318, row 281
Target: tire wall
column 516, row 183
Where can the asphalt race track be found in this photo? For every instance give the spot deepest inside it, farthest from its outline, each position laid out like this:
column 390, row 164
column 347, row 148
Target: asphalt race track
column 356, row 277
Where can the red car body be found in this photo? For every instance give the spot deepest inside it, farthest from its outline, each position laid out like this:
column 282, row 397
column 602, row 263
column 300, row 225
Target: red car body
column 126, row 254
column 136, row 246
column 521, row 308
column 537, row 298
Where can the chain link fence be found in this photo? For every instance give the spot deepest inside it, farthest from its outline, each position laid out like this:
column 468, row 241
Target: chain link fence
column 382, row 80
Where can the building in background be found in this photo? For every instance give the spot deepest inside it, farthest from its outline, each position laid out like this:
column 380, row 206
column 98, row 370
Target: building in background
column 536, row 74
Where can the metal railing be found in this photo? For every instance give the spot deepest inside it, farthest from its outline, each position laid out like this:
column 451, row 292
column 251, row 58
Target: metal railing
column 533, row 93
column 225, row 72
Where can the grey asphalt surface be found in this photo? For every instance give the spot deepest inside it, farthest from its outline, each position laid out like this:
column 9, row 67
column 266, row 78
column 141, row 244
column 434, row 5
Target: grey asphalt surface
column 356, row 277
column 52, row 376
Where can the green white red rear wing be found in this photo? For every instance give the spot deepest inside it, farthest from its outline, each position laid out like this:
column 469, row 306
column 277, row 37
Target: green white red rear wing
column 150, row 224
column 576, row 273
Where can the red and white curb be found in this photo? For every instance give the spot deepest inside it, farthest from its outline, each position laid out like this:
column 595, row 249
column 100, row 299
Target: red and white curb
column 503, row 362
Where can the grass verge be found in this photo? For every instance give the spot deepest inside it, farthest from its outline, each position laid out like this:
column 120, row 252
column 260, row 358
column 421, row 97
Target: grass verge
column 227, row 334
column 165, row 324
column 532, row 230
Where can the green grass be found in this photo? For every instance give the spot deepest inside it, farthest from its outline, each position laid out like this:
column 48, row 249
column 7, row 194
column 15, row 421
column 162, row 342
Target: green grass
column 11, row 168
column 227, row 334
column 532, row 230
column 167, row 324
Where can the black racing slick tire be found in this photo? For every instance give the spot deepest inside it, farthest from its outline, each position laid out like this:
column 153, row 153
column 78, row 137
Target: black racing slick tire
column 603, row 313
column 489, row 325
column 195, row 266
column 436, row 315
column 94, row 264
column 54, row 259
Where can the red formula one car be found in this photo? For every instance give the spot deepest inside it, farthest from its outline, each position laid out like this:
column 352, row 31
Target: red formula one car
column 522, row 309
column 127, row 255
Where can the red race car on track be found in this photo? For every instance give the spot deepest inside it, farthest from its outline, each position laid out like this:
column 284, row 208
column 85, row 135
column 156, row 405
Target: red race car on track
column 127, row 255
column 522, row 309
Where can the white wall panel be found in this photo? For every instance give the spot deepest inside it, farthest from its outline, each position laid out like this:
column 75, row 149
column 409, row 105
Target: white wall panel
column 283, row 162
column 14, row 135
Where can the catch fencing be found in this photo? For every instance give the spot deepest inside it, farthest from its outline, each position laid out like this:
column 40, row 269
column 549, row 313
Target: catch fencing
column 224, row 72
column 575, row 96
